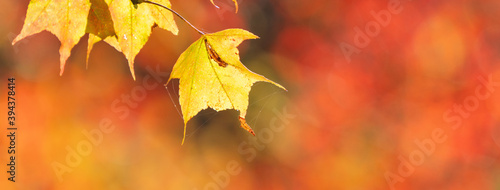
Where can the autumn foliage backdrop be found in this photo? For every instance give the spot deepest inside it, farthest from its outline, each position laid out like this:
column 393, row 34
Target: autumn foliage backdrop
column 409, row 105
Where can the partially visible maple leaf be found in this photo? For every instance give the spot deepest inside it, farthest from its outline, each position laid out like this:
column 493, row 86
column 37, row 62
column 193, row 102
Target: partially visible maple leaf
column 211, row 75
column 64, row 18
column 120, row 23
column 133, row 23
column 235, row 4
column 100, row 26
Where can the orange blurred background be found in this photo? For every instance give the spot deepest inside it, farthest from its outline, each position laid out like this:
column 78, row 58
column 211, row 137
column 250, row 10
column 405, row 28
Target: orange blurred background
column 381, row 95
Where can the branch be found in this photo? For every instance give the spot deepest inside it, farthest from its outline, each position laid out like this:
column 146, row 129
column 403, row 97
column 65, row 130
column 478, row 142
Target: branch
column 165, row 7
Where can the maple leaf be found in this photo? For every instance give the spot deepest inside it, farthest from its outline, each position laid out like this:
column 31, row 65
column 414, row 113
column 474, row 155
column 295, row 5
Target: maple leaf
column 133, row 22
column 100, row 26
column 211, row 75
column 120, row 23
column 64, row 18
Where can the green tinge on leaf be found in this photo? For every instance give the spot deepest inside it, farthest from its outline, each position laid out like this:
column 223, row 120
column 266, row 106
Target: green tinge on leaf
column 99, row 25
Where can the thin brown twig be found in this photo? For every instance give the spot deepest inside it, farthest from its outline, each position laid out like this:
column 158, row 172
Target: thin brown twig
column 165, row 7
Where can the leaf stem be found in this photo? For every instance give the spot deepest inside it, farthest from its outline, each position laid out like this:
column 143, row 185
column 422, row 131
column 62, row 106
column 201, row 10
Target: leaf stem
column 165, row 7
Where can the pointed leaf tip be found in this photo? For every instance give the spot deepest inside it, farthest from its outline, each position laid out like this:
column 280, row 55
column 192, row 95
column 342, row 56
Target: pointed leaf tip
column 131, row 67
column 184, row 137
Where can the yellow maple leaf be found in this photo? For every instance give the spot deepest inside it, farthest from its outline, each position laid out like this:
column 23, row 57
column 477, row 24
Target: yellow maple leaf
column 133, row 23
column 121, row 23
column 211, row 75
column 64, row 18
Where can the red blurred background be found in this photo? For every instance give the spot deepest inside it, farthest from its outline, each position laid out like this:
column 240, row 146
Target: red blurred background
column 408, row 110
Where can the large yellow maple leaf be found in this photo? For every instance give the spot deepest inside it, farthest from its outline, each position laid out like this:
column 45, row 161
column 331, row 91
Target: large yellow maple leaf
column 211, row 75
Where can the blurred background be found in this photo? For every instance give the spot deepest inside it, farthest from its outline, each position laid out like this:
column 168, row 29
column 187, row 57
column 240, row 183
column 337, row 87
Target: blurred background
column 406, row 102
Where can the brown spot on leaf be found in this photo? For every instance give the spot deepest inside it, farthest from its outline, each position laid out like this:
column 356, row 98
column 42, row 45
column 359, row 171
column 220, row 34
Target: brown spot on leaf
column 213, row 55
